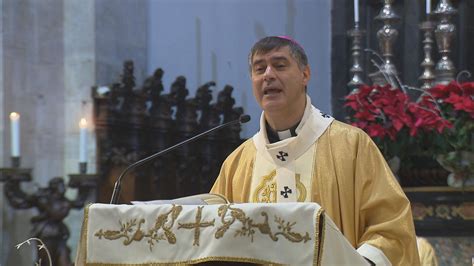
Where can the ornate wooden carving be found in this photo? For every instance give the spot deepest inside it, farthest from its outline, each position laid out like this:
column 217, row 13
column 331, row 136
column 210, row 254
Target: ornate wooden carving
column 134, row 122
column 52, row 207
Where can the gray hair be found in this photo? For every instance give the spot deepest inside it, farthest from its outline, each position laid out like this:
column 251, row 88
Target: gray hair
column 270, row 43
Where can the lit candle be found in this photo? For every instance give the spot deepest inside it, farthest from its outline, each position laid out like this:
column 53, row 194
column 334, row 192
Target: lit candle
column 15, row 132
column 428, row 7
column 83, row 141
column 356, row 11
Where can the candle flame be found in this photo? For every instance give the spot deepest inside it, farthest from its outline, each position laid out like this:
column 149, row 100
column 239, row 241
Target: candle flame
column 83, row 123
column 14, row 116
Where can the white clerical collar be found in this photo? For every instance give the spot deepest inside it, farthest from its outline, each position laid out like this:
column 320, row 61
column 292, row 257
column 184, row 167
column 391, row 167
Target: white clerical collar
column 291, row 132
column 284, row 134
column 312, row 126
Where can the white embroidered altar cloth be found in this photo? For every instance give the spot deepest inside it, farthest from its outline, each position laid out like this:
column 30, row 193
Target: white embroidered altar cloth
column 273, row 233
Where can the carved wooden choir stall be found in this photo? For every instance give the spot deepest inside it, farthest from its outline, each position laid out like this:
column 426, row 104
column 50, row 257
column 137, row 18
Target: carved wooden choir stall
column 133, row 122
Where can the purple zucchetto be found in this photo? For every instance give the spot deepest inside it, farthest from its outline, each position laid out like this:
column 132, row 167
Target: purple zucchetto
column 290, row 39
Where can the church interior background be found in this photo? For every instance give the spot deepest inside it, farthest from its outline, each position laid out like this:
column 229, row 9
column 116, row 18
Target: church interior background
column 60, row 60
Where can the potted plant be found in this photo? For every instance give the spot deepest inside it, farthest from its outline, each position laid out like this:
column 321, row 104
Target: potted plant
column 401, row 127
column 454, row 147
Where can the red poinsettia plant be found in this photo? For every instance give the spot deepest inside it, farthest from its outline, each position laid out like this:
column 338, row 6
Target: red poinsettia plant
column 442, row 115
column 454, row 148
column 456, row 103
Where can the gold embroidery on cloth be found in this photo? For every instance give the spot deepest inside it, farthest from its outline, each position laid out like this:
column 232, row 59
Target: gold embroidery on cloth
column 132, row 230
column 266, row 190
column 195, row 261
column 84, row 232
column 249, row 226
column 128, row 231
column 196, row 225
column 300, row 189
column 319, row 238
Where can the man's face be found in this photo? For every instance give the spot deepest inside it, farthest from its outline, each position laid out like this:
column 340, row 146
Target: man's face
column 278, row 82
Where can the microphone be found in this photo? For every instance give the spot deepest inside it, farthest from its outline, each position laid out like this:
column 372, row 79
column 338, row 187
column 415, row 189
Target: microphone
column 118, row 184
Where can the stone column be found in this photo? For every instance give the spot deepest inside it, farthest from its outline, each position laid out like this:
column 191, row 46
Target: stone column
column 79, row 76
column 2, row 102
column 51, row 53
column 98, row 37
column 121, row 29
column 2, row 140
column 33, row 86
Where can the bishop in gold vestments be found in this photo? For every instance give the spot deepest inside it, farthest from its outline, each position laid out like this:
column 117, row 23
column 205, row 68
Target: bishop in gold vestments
column 337, row 166
column 307, row 156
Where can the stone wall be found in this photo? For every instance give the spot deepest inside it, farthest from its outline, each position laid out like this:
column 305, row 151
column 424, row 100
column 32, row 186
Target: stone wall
column 51, row 53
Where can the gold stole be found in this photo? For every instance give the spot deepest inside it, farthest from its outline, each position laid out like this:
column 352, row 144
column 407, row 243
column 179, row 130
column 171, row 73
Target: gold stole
column 268, row 187
column 283, row 170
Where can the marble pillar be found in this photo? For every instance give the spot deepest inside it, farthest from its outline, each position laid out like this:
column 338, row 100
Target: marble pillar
column 120, row 34
column 33, row 86
column 79, row 76
column 51, row 53
column 2, row 136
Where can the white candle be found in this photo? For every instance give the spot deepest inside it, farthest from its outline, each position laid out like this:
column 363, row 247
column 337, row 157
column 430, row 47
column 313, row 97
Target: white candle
column 356, row 11
column 83, row 141
column 15, row 133
column 428, row 7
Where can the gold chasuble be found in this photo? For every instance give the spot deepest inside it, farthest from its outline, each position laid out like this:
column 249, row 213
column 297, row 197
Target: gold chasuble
column 337, row 166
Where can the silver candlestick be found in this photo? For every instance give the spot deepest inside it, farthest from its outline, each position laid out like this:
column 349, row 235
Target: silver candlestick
column 386, row 35
column 356, row 69
column 444, row 33
column 428, row 76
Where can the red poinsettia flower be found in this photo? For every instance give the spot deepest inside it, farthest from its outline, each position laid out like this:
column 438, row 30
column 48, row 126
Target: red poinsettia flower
column 459, row 96
column 390, row 117
column 443, row 91
column 468, row 88
column 380, row 110
column 365, row 115
column 376, row 130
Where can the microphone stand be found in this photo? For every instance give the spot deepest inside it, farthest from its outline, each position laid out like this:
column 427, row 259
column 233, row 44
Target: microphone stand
column 118, row 184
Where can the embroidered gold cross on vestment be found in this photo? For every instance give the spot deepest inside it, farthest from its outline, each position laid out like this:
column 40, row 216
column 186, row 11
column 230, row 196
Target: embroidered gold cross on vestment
column 197, row 225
